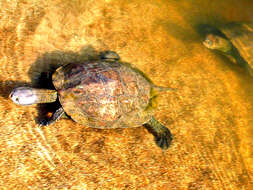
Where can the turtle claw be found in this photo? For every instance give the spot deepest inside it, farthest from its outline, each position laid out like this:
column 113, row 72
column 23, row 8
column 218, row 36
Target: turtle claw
column 43, row 123
column 59, row 113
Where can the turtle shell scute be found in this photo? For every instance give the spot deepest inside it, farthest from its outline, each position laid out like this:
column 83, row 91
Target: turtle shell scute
column 102, row 94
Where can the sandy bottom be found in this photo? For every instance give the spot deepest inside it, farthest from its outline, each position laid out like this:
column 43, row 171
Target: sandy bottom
column 210, row 115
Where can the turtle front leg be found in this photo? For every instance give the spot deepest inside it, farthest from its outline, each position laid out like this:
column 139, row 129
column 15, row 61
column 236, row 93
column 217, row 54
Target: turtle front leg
column 161, row 133
column 59, row 113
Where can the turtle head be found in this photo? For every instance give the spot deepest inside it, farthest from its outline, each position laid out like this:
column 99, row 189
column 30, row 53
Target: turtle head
column 23, row 96
column 27, row 96
column 217, row 42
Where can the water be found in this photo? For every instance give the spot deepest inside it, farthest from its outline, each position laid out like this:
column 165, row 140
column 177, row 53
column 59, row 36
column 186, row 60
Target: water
column 210, row 116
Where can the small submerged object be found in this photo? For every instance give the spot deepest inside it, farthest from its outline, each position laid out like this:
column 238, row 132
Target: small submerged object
column 103, row 93
column 236, row 41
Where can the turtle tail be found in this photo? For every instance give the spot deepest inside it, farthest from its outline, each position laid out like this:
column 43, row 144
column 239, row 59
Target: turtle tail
column 158, row 89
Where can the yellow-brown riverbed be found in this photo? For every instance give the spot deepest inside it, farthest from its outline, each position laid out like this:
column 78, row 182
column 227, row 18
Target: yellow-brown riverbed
column 210, row 115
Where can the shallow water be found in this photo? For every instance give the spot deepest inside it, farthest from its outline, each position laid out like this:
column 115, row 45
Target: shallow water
column 210, row 116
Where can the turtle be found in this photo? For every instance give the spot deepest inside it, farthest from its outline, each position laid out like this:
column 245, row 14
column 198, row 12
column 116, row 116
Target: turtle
column 234, row 40
column 104, row 93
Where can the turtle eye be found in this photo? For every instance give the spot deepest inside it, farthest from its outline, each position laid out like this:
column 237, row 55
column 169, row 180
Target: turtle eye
column 210, row 42
column 16, row 99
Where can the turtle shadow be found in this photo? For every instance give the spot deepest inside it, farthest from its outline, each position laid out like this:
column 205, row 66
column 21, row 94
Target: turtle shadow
column 42, row 69
column 177, row 31
column 7, row 86
column 204, row 29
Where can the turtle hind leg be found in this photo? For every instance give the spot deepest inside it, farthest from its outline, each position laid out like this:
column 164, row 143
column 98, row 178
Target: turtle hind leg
column 109, row 56
column 59, row 113
column 162, row 134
